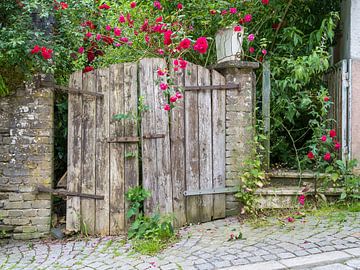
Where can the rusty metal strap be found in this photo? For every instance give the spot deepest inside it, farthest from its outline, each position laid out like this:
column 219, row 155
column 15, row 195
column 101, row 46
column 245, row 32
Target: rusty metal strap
column 71, row 90
column 41, row 188
column 211, row 87
column 134, row 139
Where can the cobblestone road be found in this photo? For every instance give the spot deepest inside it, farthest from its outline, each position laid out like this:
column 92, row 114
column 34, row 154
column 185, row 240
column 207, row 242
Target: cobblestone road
column 312, row 243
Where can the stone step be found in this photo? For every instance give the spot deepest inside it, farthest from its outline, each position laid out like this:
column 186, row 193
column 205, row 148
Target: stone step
column 287, row 196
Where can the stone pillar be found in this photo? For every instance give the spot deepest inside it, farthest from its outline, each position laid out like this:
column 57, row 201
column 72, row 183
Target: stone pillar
column 240, row 117
column 26, row 160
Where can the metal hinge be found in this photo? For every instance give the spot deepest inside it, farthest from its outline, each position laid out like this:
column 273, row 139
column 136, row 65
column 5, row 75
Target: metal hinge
column 346, row 79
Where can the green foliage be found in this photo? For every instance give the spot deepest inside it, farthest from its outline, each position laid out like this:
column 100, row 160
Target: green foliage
column 136, row 197
column 252, row 175
column 152, row 233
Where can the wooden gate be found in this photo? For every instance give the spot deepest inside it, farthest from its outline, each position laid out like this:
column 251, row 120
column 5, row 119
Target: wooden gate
column 339, row 90
column 181, row 152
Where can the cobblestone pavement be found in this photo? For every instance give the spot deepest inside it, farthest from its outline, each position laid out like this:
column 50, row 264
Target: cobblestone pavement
column 312, row 243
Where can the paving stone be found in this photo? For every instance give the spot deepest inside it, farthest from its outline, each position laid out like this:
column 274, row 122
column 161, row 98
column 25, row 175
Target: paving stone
column 336, row 266
column 354, row 263
column 302, row 245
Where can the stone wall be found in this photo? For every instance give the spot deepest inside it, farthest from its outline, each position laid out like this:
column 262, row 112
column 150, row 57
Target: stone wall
column 240, row 116
column 26, row 159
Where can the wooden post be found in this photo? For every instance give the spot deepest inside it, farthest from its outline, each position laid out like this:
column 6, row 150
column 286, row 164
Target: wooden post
column 266, row 90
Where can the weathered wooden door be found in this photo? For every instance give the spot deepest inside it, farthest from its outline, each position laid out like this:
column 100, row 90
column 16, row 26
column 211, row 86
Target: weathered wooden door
column 99, row 147
column 182, row 152
column 191, row 154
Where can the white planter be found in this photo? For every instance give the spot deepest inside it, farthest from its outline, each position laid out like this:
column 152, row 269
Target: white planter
column 229, row 44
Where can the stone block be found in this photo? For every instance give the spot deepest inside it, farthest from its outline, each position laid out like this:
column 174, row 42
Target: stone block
column 43, row 213
column 17, row 205
column 16, row 221
column 15, row 213
column 30, row 212
column 40, row 220
column 41, row 204
column 15, row 197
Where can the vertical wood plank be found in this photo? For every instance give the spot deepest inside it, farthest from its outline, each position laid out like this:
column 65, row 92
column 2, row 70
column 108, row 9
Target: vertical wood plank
column 205, row 144
column 192, row 145
column 131, row 129
column 74, row 154
column 177, row 137
column 102, row 153
column 218, row 140
column 148, row 126
column 117, row 151
column 156, row 152
column 164, row 187
column 89, row 153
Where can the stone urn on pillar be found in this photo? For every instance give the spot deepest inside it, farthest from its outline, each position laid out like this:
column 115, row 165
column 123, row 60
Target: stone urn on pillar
column 229, row 44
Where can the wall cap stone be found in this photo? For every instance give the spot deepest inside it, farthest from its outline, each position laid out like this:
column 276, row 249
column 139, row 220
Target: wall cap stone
column 235, row 64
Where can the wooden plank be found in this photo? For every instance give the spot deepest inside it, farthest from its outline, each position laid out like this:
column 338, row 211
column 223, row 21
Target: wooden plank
column 102, row 153
column 117, row 152
column 74, row 154
column 192, row 145
column 164, row 188
column 266, row 89
column 44, row 189
column 218, row 141
column 131, row 129
column 148, row 125
column 89, row 152
column 205, row 144
column 177, row 138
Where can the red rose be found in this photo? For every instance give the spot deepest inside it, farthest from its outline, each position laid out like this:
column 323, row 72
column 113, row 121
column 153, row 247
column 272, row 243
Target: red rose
column 185, row 44
column 326, row 99
column 237, row 28
column 324, row 138
column 332, row 133
column 179, row 6
column 104, row 6
column 327, row 156
column 173, row 99
column 64, row 5
column 310, row 155
column 36, row 49
column 163, row 86
column 201, row 45
column 46, row 53
column 265, row 2
column 133, row 4
column 88, row 69
column 167, row 107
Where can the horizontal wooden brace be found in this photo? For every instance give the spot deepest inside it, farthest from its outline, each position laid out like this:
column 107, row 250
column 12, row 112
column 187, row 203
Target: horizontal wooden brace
column 134, row 139
column 41, row 188
column 71, row 90
column 210, row 191
column 211, row 87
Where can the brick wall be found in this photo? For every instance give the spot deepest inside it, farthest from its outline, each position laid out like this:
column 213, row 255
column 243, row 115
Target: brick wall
column 239, row 119
column 26, row 159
